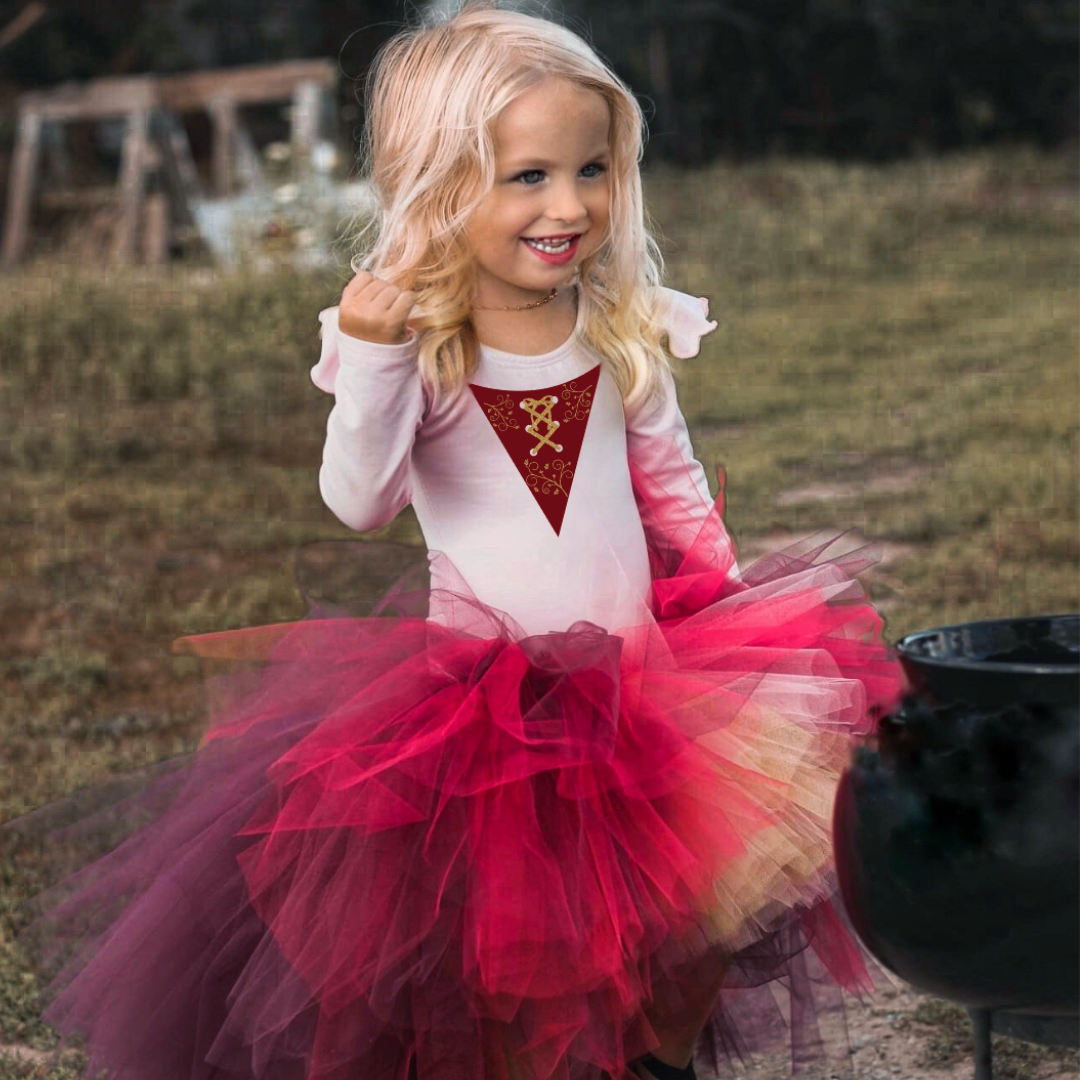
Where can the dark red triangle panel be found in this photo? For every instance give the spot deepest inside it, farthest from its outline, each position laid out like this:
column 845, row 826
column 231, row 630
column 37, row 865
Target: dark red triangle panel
column 542, row 431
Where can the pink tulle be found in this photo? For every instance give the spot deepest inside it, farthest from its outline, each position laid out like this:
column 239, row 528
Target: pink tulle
column 406, row 850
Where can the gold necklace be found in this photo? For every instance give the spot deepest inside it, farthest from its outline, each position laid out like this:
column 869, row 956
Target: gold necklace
column 522, row 307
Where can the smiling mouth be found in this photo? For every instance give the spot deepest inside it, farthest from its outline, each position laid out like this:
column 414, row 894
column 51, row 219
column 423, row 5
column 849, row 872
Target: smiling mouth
column 552, row 245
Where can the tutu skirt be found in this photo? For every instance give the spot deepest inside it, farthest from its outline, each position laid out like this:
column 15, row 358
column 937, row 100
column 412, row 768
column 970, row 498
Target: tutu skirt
column 406, row 850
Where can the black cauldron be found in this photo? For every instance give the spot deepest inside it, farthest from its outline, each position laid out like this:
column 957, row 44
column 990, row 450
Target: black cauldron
column 957, row 836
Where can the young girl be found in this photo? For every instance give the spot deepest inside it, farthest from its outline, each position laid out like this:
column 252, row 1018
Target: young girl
column 567, row 808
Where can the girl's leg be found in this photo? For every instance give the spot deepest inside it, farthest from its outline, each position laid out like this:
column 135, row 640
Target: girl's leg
column 498, row 1054
column 514, row 1071
column 679, row 1026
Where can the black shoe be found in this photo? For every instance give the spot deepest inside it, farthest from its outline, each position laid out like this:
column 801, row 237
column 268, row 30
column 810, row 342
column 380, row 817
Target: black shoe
column 662, row 1071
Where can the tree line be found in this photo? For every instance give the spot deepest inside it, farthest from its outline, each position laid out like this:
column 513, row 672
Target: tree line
column 875, row 79
column 872, row 79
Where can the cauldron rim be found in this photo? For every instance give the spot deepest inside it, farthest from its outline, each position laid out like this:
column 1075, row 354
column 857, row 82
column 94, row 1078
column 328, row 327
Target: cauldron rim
column 906, row 648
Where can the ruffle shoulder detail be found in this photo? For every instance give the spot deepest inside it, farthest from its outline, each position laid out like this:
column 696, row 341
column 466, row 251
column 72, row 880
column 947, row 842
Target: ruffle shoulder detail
column 685, row 320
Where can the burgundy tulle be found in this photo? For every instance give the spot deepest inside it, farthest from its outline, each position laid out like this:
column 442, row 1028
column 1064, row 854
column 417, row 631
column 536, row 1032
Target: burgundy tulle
column 406, row 850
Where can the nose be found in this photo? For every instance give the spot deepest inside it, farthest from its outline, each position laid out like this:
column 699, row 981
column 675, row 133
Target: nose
column 566, row 203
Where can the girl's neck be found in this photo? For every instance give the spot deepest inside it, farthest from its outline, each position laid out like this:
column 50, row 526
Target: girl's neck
column 532, row 332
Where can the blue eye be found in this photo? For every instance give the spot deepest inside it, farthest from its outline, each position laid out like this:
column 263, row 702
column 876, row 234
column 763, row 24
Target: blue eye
column 532, row 177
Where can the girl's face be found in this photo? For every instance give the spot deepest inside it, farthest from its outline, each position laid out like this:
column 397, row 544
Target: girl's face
column 551, row 186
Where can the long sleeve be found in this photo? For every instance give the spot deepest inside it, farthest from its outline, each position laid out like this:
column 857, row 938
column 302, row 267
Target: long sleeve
column 670, row 483
column 365, row 477
column 658, row 444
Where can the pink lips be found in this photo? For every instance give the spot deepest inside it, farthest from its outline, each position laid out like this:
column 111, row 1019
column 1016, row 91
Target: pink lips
column 548, row 257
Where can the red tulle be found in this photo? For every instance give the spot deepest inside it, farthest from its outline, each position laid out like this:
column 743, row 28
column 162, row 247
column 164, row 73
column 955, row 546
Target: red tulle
column 406, row 850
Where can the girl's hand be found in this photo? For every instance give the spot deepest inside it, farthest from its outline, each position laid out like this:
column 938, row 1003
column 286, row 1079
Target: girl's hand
column 374, row 310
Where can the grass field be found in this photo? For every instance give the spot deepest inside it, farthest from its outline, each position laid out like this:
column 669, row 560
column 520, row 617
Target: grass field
column 897, row 353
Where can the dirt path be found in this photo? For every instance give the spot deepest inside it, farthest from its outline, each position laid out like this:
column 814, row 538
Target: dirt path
column 900, row 1035
column 904, row 1035
column 911, row 1035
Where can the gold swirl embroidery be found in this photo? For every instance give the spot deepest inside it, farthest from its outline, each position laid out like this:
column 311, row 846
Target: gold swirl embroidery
column 501, row 414
column 540, row 412
column 547, row 478
column 578, row 402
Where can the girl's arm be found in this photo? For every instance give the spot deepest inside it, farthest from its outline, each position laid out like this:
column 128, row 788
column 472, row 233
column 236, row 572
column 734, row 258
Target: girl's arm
column 365, row 477
column 669, row 481
column 658, row 445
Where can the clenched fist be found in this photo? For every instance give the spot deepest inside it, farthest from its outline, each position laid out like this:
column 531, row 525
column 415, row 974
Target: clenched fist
column 374, row 310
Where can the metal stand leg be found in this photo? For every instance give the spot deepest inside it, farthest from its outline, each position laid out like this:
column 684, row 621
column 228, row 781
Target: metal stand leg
column 984, row 1054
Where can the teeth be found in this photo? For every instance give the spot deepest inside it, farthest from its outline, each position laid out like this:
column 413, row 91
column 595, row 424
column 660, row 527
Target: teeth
column 550, row 247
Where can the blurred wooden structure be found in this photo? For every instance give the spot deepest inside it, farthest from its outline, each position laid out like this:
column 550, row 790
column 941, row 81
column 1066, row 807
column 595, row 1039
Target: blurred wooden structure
column 155, row 139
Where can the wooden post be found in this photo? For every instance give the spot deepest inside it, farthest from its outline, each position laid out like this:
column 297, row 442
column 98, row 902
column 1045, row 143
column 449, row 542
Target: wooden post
column 22, row 22
column 244, row 85
column 248, row 163
column 132, row 183
column 223, row 115
column 156, row 228
column 306, row 119
column 138, row 98
column 55, row 162
column 178, row 169
column 20, row 191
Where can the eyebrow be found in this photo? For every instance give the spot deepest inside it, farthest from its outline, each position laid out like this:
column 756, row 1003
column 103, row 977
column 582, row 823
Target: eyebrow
column 540, row 163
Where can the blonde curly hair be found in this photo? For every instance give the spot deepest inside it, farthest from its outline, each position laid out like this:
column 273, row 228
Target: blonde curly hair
column 433, row 95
